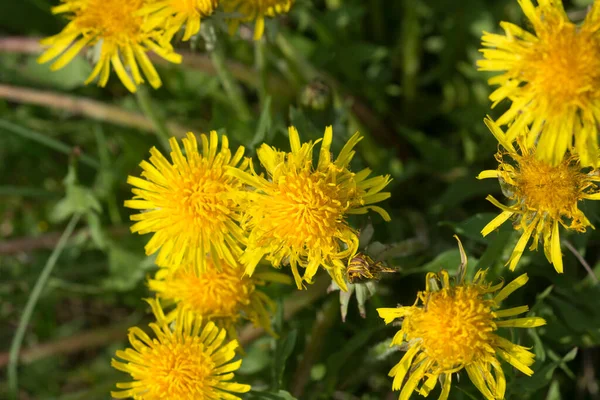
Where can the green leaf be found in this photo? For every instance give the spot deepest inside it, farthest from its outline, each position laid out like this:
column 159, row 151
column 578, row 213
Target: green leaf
column 78, row 199
column 257, row 357
column 283, row 349
column 127, row 268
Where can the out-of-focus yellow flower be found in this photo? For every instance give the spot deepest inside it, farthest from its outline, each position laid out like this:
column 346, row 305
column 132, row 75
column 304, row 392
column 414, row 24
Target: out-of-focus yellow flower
column 297, row 214
column 173, row 14
column 452, row 326
column 188, row 361
column 552, row 78
column 191, row 204
column 224, row 296
column 543, row 197
column 254, row 10
column 123, row 38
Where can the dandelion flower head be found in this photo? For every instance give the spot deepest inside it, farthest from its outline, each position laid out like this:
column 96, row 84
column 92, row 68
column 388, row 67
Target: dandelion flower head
column 223, row 296
column 190, row 204
column 188, row 362
column 543, row 197
column 452, row 326
column 297, row 214
column 123, row 38
column 255, row 10
column 551, row 76
column 174, row 14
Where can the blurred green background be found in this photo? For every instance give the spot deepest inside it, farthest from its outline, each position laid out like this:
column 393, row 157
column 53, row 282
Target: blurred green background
column 401, row 72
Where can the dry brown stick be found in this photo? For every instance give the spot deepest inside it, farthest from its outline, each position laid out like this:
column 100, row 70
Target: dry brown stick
column 243, row 73
column 49, row 240
column 100, row 337
column 85, row 107
column 199, row 61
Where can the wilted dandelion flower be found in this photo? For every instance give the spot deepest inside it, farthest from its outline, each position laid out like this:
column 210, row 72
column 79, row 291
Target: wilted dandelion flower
column 551, row 76
column 452, row 326
column 543, row 197
column 297, row 214
column 173, row 14
column 122, row 36
column 188, row 361
column 254, row 10
column 224, row 296
column 191, row 204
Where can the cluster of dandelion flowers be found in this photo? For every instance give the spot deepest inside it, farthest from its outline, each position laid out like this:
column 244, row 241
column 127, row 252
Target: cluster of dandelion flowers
column 551, row 77
column 297, row 214
column 189, row 361
column 452, row 326
column 192, row 204
column 172, row 15
column 543, row 197
column 121, row 35
column 223, row 296
column 254, row 10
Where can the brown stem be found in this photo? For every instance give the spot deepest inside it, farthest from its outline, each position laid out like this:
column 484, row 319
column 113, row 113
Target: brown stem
column 199, row 61
column 276, row 86
column 71, row 344
column 86, row 107
column 324, row 321
column 49, row 240
column 101, row 337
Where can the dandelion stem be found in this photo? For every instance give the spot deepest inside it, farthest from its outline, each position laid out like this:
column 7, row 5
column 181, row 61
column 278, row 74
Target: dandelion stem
column 15, row 346
column 160, row 128
column 231, row 88
column 261, row 66
column 217, row 57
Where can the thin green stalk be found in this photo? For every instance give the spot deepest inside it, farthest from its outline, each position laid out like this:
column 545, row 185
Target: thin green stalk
column 260, row 59
column 231, row 87
column 15, row 346
column 46, row 141
column 217, row 57
column 145, row 102
column 26, row 192
column 111, row 198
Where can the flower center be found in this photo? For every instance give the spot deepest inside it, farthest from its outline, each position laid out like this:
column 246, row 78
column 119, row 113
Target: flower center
column 564, row 66
column 177, row 370
column 553, row 190
column 211, row 294
column 111, row 19
column 305, row 209
column 202, row 197
column 454, row 325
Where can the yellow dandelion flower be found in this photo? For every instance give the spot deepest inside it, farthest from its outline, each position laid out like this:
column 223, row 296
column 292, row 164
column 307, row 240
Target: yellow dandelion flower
column 191, row 204
column 543, row 197
column 453, row 328
column 297, row 215
column 551, row 76
column 224, row 296
column 254, row 10
column 173, row 14
column 123, row 37
column 188, row 361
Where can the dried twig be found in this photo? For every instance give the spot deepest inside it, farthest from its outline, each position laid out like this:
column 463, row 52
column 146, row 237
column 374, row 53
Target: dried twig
column 49, row 240
column 85, row 107
column 100, row 337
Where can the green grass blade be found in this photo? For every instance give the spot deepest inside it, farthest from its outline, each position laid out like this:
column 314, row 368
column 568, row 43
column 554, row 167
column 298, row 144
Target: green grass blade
column 15, row 346
column 46, row 141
